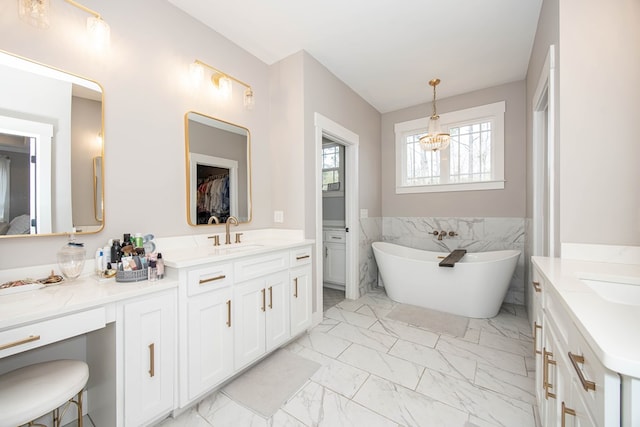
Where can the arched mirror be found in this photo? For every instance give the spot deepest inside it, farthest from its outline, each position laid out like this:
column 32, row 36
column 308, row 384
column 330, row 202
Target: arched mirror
column 51, row 150
column 218, row 155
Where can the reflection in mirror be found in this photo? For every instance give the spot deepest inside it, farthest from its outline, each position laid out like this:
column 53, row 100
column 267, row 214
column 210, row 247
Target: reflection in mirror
column 218, row 170
column 98, row 185
column 49, row 123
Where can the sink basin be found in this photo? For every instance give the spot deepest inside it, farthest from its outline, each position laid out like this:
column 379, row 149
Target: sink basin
column 235, row 249
column 620, row 292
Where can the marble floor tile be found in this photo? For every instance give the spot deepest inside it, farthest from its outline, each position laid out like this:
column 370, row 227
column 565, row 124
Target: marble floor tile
column 336, row 375
column 405, row 332
column 512, row 345
column 190, row 418
column 372, row 339
column 314, row 405
column 283, row 419
column 329, row 345
column 374, row 311
column 407, row 407
column 392, row 368
column 220, row 410
column 457, row 367
column 484, row 404
column 350, row 317
column 349, row 305
column 513, row 385
column 496, row 358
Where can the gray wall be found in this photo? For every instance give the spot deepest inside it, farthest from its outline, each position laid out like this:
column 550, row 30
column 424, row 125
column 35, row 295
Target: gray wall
column 509, row 202
column 145, row 76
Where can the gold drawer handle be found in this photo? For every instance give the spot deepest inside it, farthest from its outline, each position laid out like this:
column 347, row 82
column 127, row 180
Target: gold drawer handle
column 298, row 258
column 229, row 313
column 536, row 286
column 547, row 355
column 30, row 338
column 264, row 300
column 535, row 337
column 295, row 292
column 152, row 360
column 212, row 279
column 575, row 359
column 567, row 411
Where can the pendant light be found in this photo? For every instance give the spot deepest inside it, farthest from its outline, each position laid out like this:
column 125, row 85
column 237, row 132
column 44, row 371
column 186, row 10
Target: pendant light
column 435, row 139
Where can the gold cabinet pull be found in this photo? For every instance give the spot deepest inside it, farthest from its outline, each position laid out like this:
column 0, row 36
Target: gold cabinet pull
column 298, row 258
column 295, row 292
column 586, row 384
column 264, row 300
column 152, row 360
column 547, row 360
column 535, row 337
column 270, row 296
column 229, row 313
column 30, row 338
column 536, row 286
column 566, row 411
column 213, row 279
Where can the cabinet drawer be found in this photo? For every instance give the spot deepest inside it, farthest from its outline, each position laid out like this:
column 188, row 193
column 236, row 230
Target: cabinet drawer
column 300, row 256
column 603, row 401
column 38, row 334
column 556, row 313
column 209, row 278
column 246, row 269
column 334, row 236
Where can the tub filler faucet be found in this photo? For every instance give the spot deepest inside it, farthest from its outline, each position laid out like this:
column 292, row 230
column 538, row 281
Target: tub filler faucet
column 442, row 234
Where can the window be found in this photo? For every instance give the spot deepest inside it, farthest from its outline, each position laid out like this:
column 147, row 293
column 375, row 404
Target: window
column 332, row 167
column 474, row 159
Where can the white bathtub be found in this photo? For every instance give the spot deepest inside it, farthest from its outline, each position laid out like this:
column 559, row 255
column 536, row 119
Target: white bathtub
column 474, row 287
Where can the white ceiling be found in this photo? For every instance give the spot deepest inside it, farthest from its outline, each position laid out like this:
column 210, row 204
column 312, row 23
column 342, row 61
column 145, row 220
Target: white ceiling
column 386, row 50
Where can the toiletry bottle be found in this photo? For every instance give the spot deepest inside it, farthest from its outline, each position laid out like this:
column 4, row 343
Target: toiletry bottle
column 126, row 239
column 153, row 271
column 106, row 254
column 160, row 266
column 99, row 261
column 115, row 251
column 138, row 240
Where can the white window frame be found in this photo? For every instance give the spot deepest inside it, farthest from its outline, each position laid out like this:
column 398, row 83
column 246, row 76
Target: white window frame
column 340, row 169
column 494, row 112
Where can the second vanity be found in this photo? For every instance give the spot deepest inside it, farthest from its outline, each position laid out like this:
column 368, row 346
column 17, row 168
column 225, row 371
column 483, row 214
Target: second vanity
column 154, row 348
column 586, row 344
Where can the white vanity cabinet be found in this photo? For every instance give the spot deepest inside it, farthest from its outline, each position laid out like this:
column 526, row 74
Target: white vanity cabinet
column 573, row 387
column 334, row 266
column 207, row 330
column 233, row 312
column 149, row 357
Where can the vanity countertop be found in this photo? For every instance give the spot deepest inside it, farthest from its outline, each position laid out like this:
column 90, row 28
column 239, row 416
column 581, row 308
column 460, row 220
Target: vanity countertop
column 610, row 328
column 204, row 254
column 70, row 297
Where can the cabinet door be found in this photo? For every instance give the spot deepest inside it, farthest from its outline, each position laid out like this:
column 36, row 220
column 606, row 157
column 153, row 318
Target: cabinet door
column 210, row 340
column 335, row 263
column 149, row 330
column 250, row 300
column 277, row 313
column 537, row 329
column 300, row 298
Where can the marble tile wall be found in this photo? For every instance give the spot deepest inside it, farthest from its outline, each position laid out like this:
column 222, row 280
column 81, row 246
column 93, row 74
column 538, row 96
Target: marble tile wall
column 370, row 231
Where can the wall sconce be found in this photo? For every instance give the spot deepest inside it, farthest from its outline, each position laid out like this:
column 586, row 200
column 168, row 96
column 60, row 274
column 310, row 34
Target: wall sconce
column 222, row 82
column 36, row 13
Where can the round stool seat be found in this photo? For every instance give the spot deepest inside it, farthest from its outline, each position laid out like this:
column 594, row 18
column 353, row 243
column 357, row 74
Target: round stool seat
column 35, row 390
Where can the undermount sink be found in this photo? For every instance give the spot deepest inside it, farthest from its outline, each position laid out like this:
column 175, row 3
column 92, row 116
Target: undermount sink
column 240, row 248
column 620, row 291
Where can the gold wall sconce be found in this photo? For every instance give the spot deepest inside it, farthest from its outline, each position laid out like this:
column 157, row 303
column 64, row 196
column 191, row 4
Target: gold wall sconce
column 36, row 13
column 222, row 81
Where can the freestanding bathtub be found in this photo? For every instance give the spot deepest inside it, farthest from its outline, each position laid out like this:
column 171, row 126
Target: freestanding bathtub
column 474, row 287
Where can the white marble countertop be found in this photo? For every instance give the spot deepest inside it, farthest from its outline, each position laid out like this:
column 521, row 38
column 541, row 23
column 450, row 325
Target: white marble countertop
column 70, row 297
column 611, row 329
column 198, row 250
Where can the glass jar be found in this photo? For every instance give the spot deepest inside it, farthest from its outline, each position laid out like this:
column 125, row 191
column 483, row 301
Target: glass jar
column 71, row 259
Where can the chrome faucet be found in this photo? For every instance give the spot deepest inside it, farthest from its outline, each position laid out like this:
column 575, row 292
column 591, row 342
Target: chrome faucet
column 230, row 220
column 213, row 219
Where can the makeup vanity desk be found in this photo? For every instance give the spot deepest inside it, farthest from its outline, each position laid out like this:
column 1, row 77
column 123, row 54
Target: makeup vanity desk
column 103, row 323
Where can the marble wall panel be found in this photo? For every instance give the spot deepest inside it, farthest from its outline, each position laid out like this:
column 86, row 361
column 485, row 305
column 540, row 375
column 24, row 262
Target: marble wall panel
column 370, row 231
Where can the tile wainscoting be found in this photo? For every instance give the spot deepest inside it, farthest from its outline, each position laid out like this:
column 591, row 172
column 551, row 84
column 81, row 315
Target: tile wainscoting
column 474, row 234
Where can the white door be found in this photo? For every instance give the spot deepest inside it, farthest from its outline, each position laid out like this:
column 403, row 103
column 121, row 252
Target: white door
column 250, row 300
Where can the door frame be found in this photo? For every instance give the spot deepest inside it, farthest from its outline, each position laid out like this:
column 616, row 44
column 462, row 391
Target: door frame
column 544, row 107
column 328, row 128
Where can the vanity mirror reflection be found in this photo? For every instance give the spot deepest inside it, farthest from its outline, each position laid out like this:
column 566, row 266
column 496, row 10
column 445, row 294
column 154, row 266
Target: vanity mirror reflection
column 218, row 157
column 51, row 127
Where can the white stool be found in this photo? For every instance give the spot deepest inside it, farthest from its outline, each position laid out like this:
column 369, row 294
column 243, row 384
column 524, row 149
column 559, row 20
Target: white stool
column 35, row 390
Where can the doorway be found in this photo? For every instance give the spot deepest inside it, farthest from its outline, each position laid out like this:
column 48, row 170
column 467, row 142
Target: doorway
column 332, row 139
column 545, row 212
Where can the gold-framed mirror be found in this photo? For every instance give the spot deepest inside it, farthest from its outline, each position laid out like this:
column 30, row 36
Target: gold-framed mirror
column 51, row 129
column 218, row 167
